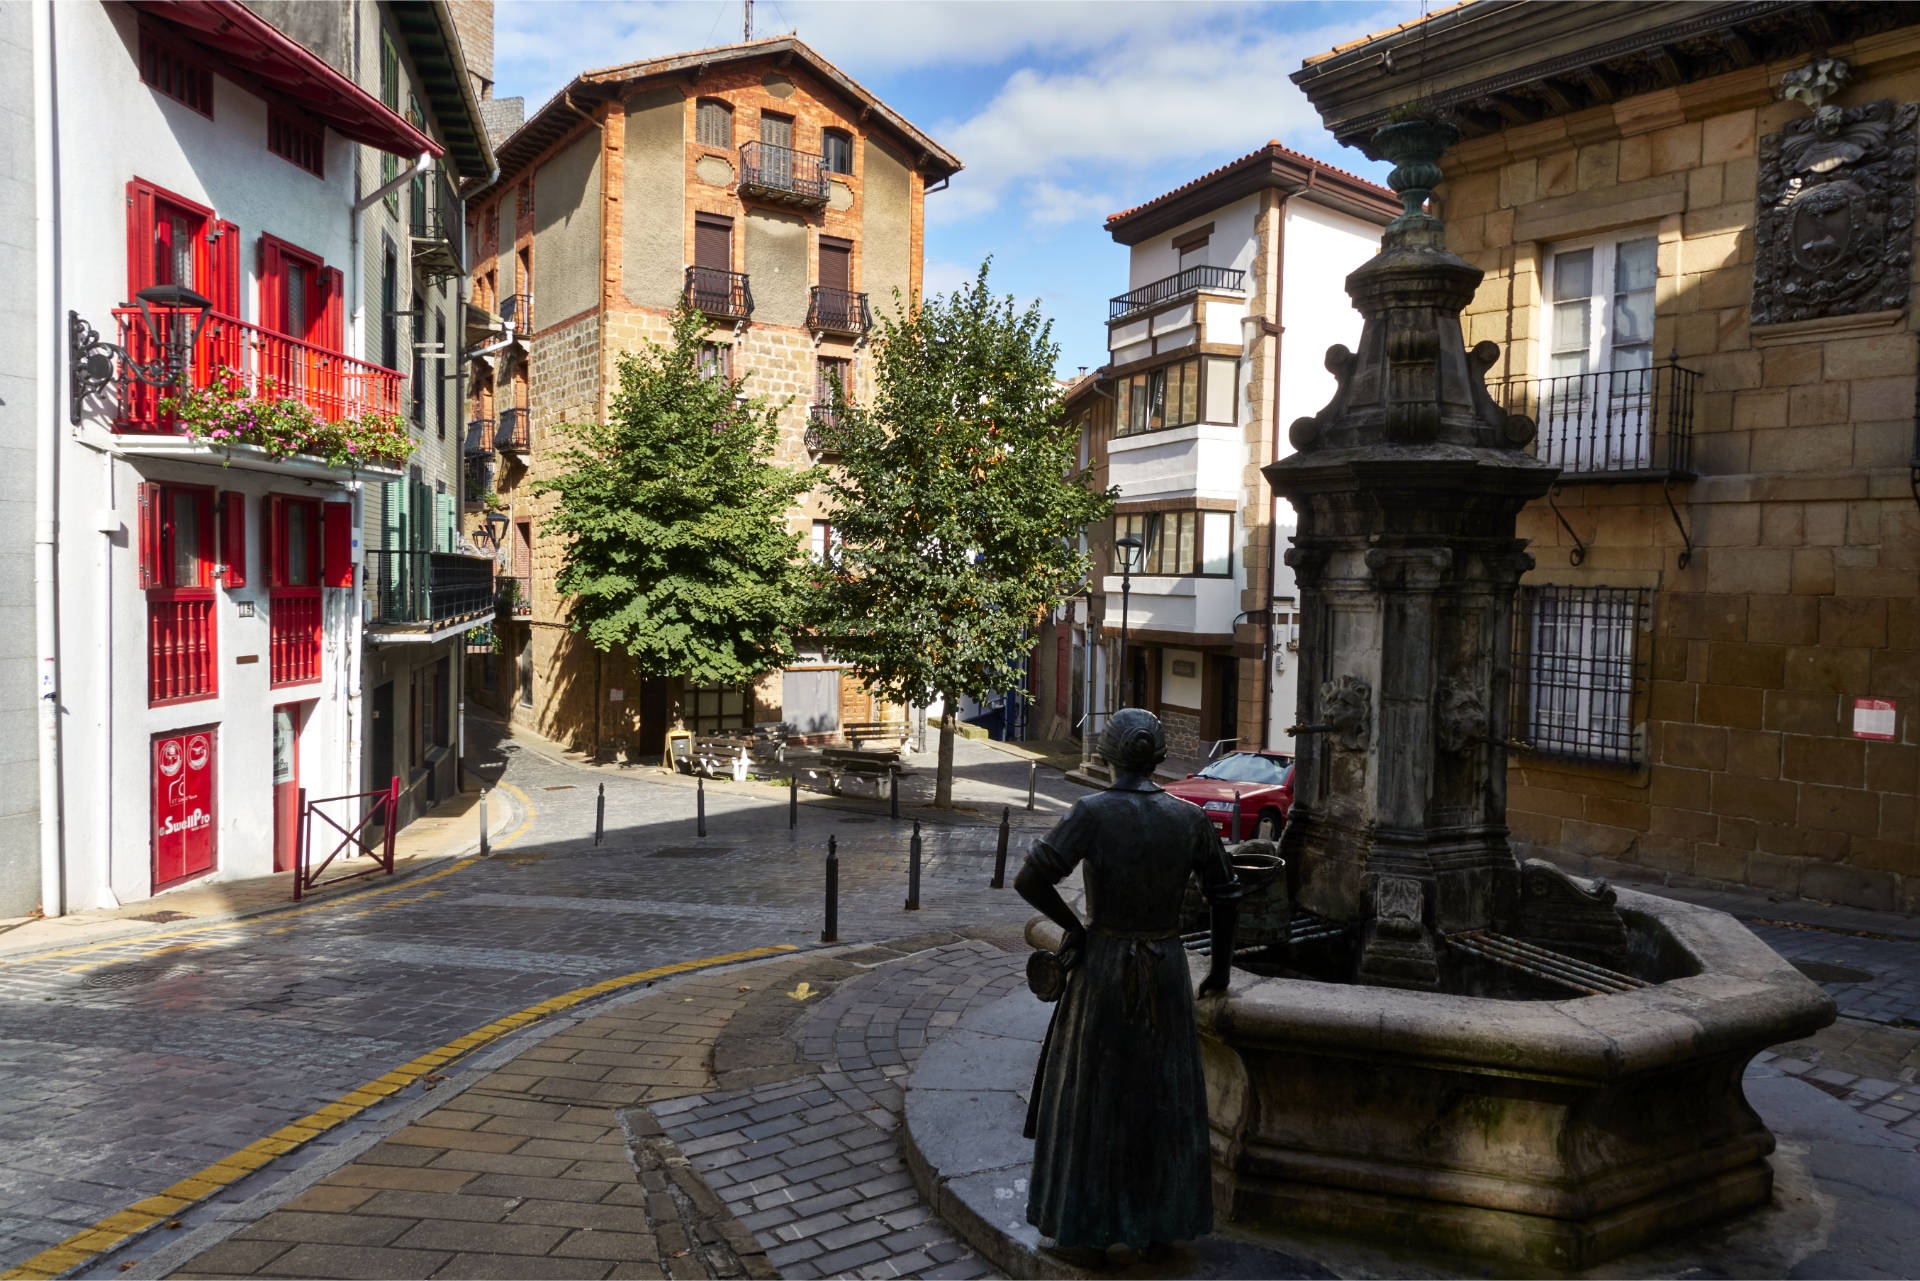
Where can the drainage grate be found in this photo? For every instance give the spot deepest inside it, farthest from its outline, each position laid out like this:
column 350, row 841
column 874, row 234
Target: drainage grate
column 693, row 851
column 124, row 976
column 161, row 917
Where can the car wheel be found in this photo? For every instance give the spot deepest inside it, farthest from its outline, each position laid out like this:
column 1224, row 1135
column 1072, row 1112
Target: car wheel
column 1268, row 828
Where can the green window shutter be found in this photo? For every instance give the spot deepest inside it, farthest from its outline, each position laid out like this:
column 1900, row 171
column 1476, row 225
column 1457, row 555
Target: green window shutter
column 447, row 527
column 393, row 503
column 420, row 518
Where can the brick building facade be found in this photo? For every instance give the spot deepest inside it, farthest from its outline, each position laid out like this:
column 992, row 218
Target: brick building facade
column 785, row 202
column 1719, row 647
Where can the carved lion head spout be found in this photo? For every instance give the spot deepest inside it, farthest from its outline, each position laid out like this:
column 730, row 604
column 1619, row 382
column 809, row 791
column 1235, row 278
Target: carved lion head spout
column 1459, row 715
column 1346, row 707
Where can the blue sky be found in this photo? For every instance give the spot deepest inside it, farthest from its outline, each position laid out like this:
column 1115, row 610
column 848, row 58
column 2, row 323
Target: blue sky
column 1064, row 112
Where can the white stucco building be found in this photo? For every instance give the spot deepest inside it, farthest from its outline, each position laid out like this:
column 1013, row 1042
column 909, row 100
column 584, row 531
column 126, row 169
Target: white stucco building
column 199, row 606
column 1234, row 293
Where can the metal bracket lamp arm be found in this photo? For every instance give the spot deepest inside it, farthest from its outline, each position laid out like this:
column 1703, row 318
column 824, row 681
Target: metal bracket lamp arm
column 93, row 364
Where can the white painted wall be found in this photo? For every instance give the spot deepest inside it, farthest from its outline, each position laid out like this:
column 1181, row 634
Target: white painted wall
column 112, row 128
column 1202, row 460
column 1231, row 245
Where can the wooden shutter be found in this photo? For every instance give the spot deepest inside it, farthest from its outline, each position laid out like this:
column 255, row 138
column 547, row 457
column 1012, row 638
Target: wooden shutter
column 336, row 545
column 713, row 242
column 420, row 517
column 776, row 130
column 233, row 536
column 139, row 237
column 147, row 518
column 273, row 286
column 836, row 264
column 332, row 332
column 271, row 523
column 223, row 283
column 393, row 504
column 444, row 504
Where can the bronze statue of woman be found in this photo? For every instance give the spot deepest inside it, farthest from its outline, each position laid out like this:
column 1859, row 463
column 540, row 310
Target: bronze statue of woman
column 1119, row 1109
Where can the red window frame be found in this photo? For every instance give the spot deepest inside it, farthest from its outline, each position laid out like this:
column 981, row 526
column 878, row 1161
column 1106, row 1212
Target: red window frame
column 182, row 636
column 278, row 260
column 294, row 607
column 173, row 68
column 299, row 142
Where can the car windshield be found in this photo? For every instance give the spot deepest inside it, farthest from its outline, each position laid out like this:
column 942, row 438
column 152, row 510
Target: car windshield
column 1246, row 767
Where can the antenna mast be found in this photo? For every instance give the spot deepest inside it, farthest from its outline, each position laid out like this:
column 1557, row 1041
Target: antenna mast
column 746, row 27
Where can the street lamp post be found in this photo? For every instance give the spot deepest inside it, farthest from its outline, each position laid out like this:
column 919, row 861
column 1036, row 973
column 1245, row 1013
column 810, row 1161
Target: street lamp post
column 1130, row 546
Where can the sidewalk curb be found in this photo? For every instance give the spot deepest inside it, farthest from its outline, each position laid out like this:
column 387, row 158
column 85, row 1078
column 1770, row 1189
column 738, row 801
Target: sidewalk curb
column 412, row 869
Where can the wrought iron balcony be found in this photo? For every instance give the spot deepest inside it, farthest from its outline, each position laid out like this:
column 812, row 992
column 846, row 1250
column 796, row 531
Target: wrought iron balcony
column 722, row 294
column 820, row 422
column 781, row 175
column 514, row 435
column 479, row 436
column 427, row 591
column 1611, row 424
column 1166, row 290
column 838, row 311
column 434, row 219
column 266, row 364
column 477, row 478
column 517, row 310
column 513, row 594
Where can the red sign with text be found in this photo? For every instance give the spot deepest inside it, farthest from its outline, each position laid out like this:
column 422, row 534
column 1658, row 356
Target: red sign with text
column 183, row 844
column 1875, row 718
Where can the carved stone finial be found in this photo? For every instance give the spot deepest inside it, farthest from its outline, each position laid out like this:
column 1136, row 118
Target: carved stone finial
column 1814, row 83
column 1415, row 147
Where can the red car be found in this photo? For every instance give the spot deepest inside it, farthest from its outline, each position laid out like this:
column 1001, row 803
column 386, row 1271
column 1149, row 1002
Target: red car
column 1264, row 783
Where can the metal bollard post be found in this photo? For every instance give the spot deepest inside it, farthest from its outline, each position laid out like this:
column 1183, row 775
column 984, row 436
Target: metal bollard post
column 1236, row 818
column 1033, row 774
column 485, row 850
column 700, row 801
column 913, row 871
column 999, row 881
column 893, row 795
column 832, row 933
column 600, row 815
column 793, row 799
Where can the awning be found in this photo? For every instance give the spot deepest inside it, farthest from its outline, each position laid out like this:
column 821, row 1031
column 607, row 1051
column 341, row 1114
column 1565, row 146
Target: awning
column 251, row 46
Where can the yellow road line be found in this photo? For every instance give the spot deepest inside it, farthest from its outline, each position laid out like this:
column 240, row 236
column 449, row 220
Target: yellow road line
column 116, row 1229
column 410, row 883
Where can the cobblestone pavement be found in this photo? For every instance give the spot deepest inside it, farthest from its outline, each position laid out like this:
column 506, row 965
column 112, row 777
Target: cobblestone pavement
column 130, row 1067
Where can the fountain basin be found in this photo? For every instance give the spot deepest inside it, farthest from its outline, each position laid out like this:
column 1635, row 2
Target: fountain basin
column 1540, row 1133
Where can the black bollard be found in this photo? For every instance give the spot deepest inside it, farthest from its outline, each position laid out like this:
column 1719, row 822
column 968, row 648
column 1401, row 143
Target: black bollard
column 793, row 799
column 893, row 795
column 1033, row 776
column 999, row 881
column 600, row 815
column 832, row 933
column 1236, row 818
column 700, row 800
column 913, row 871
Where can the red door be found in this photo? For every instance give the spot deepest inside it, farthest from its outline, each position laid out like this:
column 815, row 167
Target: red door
column 286, row 785
column 183, row 805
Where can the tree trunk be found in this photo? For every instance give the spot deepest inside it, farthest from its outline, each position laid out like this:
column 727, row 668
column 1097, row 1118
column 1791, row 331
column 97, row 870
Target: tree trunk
column 943, row 775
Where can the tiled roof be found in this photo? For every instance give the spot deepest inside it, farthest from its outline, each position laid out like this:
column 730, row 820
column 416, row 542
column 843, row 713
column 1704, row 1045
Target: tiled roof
column 1272, row 147
column 1408, row 25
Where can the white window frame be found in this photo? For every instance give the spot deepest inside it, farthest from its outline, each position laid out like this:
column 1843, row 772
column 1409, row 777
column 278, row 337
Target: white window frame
column 1591, row 422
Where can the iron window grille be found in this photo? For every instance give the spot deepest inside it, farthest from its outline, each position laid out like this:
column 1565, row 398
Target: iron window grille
column 1580, row 670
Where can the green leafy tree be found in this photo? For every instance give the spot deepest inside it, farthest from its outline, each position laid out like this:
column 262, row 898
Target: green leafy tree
column 958, row 505
column 677, row 549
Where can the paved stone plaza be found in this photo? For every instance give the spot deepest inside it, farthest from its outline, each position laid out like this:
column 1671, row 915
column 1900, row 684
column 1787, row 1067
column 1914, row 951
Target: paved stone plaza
column 521, row 1079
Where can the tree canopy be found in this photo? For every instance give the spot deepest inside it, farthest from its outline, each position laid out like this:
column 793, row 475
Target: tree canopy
column 677, row 549
column 957, row 502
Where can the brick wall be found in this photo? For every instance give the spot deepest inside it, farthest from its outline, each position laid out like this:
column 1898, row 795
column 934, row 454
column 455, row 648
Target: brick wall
column 1799, row 595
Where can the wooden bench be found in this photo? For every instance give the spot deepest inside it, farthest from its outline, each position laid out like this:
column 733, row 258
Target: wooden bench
column 714, row 754
column 860, row 771
column 861, row 733
column 770, row 741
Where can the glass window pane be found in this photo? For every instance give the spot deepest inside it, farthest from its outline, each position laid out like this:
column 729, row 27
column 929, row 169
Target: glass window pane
column 186, row 538
column 1573, row 275
column 296, row 325
column 1572, row 326
column 1216, row 542
column 298, row 570
column 1183, row 560
column 1636, row 263
column 1223, row 389
column 730, row 702
column 1190, row 392
column 1157, row 399
column 1153, row 526
column 1633, row 318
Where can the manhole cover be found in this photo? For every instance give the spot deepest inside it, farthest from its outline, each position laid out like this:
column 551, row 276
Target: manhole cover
column 134, row 975
column 1824, row 972
column 693, row 851
column 160, row 917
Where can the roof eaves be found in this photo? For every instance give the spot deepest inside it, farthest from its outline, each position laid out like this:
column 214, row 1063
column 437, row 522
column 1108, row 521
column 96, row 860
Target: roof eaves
column 433, row 46
column 1367, row 193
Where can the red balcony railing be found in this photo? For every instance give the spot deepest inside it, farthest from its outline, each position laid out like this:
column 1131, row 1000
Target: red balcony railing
column 267, row 364
column 294, row 640
column 180, row 649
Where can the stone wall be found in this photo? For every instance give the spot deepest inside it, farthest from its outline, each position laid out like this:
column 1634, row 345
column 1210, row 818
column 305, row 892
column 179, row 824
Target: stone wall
column 1799, row 594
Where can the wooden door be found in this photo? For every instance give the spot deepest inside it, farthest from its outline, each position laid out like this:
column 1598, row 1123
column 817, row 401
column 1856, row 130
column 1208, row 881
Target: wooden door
column 286, row 785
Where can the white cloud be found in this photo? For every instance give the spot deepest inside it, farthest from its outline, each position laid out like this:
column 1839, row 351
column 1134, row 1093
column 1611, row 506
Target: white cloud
column 941, row 277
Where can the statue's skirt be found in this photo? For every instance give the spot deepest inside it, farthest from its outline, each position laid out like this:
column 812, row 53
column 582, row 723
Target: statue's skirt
column 1119, row 1108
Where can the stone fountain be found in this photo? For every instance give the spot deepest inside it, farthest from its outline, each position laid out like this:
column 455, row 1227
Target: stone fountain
column 1429, row 1043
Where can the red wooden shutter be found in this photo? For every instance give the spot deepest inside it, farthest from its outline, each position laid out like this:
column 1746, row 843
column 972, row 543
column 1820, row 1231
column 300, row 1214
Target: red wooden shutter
column 224, row 273
column 273, row 284
column 233, row 536
column 336, row 552
column 147, row 517
column 271, row 525
column 332, row 289
column 139, row 237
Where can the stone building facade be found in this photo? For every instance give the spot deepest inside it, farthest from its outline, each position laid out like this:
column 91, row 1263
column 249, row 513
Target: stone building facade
column 786, row 203
column 1696, row 227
